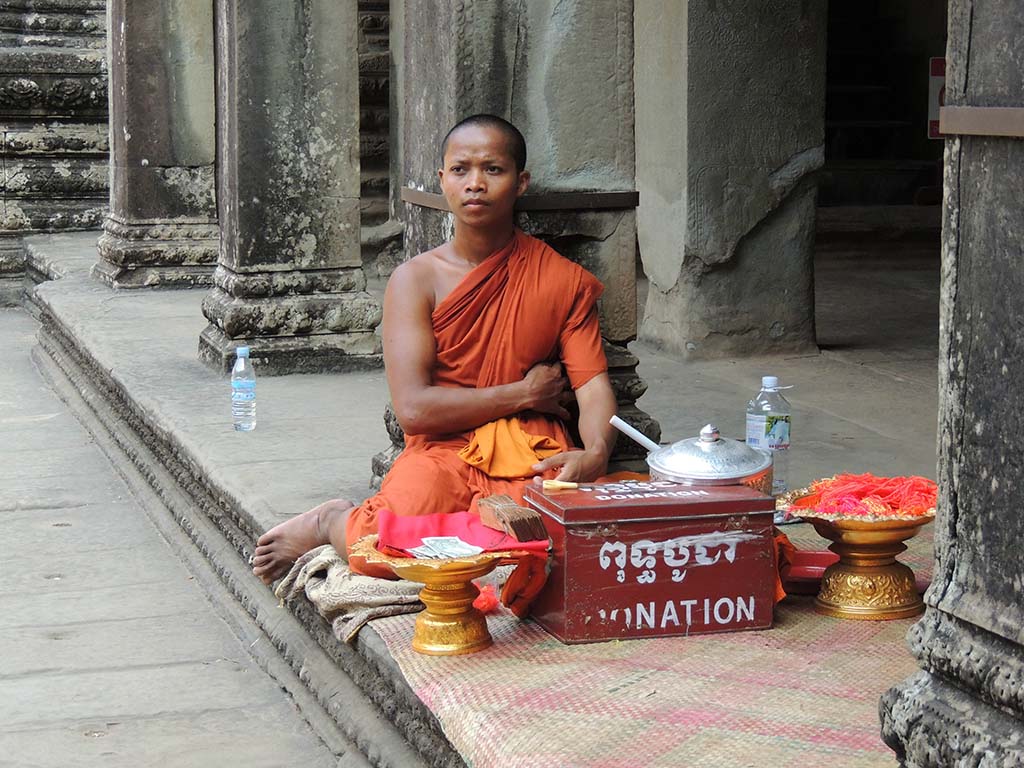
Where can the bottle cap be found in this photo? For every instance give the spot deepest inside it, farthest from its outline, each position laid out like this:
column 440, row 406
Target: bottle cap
column 767, row 382
column 242, row 352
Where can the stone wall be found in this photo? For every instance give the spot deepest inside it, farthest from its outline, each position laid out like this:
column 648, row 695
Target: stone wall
column 729, row 131
column 53, row 113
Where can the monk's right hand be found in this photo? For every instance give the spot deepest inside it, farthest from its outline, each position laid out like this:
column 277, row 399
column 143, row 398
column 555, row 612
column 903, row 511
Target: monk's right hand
column 547, row 389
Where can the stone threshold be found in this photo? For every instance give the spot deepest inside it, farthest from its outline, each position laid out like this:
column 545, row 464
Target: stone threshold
column 354, row 697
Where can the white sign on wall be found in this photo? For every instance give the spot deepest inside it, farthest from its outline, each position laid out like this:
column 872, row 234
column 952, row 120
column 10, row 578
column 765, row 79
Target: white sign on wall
column 936, row 94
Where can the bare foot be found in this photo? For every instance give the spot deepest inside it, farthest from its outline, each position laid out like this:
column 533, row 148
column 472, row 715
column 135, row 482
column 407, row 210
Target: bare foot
column 281, row 546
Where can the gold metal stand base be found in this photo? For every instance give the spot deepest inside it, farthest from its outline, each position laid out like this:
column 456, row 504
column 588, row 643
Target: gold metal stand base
column 449, row 624
column 868, row 583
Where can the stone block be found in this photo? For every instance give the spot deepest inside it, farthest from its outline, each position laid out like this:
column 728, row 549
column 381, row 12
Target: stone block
column 68, row 139
column 54, row 177
column 289, row 283
column 141, row 192
column 292, row 315
column 27, row 215
column 162, row 77
column 759, row 304
column 315, row 353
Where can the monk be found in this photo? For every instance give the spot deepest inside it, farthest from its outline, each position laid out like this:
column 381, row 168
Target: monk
column 486, row 339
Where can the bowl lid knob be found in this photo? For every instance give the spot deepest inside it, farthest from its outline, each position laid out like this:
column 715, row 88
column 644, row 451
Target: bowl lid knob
column 709, row 433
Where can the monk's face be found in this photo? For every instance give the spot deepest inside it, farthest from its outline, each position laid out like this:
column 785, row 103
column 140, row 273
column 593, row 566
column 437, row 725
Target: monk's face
column 479, row 178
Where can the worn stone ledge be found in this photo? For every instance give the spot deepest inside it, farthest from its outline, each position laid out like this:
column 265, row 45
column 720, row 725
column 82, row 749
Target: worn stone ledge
column 80, row 23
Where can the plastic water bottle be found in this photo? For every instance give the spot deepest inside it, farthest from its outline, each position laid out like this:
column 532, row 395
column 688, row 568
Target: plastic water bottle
column 768, row 426
column 243, row 392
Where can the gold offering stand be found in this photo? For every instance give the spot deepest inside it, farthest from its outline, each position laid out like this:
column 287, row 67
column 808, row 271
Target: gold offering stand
column 868, row 582
column 449, row 625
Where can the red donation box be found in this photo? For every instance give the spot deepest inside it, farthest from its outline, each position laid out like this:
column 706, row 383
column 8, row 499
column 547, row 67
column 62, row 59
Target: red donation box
column 653, row 559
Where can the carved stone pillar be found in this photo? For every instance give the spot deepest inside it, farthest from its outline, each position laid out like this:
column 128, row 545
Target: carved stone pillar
column 966, row 705
column 162, row 226
column 289, row 281
column 729, row 130
column 53, row 113
column 563, row 73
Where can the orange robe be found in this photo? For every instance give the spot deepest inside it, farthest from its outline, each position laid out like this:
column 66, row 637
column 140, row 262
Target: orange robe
column 523, row 305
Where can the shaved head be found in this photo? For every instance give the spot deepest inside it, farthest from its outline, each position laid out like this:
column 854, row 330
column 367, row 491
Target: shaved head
column 515, row 140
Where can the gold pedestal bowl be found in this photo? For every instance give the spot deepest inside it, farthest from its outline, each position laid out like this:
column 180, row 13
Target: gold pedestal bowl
column 449, row 625
column 868, row 582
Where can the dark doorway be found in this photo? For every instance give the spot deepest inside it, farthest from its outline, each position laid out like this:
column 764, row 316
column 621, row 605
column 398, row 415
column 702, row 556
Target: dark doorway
column 879, row 215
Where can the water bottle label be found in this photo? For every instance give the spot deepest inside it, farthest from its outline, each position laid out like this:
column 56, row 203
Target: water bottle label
column 243, row 391
column 768, row 430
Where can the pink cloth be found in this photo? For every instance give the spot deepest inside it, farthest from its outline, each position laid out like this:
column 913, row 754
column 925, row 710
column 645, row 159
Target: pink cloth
column 398, row 532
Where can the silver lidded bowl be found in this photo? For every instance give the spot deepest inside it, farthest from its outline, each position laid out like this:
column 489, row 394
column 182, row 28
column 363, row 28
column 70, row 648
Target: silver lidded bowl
column 711, row 459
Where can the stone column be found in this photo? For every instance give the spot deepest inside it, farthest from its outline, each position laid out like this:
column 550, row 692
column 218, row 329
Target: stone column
column 966, row 705
column 162, row 226
column 563, row 73
column 289, row 281
column 730, row 126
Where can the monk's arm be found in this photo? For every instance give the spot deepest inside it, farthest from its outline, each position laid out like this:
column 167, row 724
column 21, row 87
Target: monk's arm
column 409, row 358
column 597, row 406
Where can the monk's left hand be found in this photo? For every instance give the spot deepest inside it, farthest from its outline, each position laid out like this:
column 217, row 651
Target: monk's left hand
column 577, row 466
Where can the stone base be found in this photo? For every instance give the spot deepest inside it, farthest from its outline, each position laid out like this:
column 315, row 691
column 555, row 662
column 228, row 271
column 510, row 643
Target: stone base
column 309, row 314
column 279, row 355
column 760, row 301
column 967, row 706
column 165, row 254
column 930, row 722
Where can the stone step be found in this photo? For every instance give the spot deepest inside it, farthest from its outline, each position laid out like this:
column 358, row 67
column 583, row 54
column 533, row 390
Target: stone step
column 55, row 178
column 374, row 62
column 39, row 59
column 373, row 88
column 373, row 211
column 374, row 119
column 18, row 40
column 75, row 139
column 62, row 7
column 70, row 24
column 374, row 183
column 373, row 147
column 30, row 216
column 879, row 182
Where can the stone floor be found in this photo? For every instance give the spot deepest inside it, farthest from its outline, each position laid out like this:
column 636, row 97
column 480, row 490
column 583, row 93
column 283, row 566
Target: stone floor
column 112, row 655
